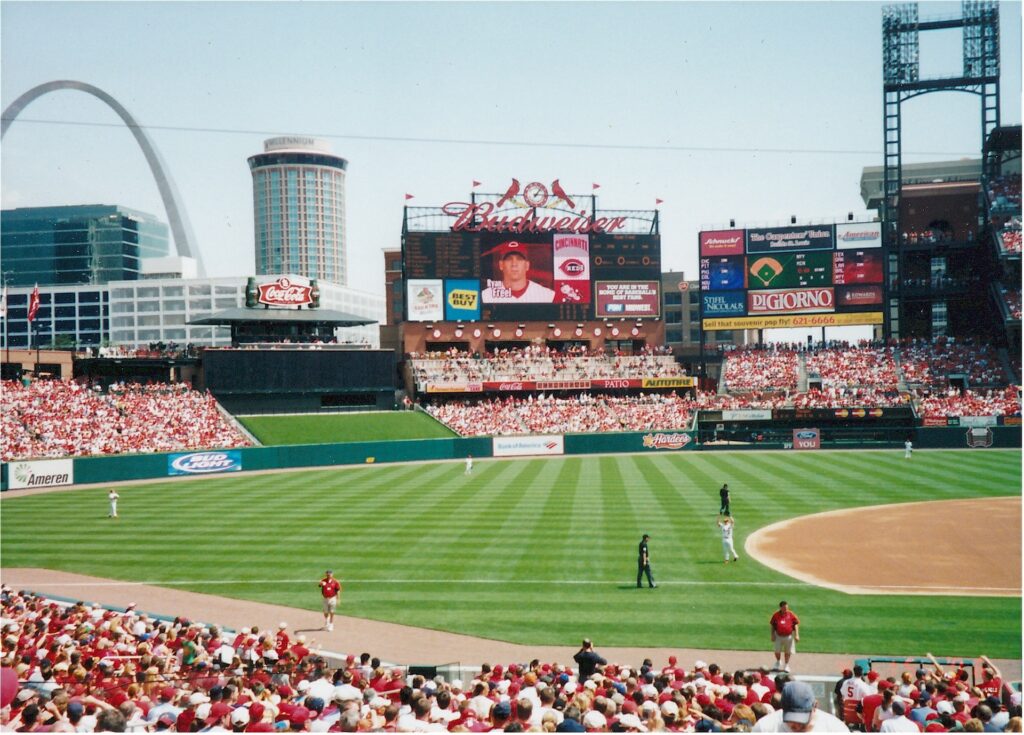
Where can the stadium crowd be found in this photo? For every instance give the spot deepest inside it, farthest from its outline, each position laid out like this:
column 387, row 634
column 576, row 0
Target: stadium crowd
column 840, row 367
column 761, row 369
column 995, row 402
column 1004, row 193
column 84, row 668
column 545, row 414
column 537, row 362
column 1011, row 297
column 53, row 418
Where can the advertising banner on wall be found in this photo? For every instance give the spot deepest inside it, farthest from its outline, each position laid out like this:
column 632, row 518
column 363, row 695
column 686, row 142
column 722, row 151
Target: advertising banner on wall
column 461, row 300
column 797, row 320
column 781, row 239
column 791, row 301
column 852, row 296
column 524, row 446
column 667, row 440
column 425, row 299
column 725, row 303
column 572, row 269
column 722, row 242
column 858, row 235
column 627, row 298
column 806, row 439
column 51, row 473
column 204, row 463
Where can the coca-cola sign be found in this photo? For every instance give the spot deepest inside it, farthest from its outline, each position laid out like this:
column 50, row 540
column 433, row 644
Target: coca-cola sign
column 283, row 292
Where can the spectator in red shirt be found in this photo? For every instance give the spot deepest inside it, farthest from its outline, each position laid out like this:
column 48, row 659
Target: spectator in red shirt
column 330, row 588
column 785, row 627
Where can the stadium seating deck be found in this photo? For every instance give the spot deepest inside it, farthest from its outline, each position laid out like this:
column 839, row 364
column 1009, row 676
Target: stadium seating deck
column 85, row 668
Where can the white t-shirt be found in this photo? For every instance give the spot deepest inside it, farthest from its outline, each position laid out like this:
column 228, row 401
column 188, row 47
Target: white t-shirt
column 497, row 293
column 899, row 724
column 821, row 722
column 726, row 531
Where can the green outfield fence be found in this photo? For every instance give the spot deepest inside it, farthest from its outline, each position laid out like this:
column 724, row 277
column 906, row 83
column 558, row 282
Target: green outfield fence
column 92, row 470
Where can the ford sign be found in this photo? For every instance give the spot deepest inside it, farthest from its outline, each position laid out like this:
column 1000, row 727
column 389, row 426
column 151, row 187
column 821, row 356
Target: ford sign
column 806, row 434
column 201, row 463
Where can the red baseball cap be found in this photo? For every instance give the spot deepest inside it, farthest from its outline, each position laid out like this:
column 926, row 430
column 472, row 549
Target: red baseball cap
column 218, row 710
column 510, row 247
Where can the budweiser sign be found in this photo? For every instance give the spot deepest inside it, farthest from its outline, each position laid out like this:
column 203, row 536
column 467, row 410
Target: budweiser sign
column 791, row 301
column 481, row 218
column 283, row 292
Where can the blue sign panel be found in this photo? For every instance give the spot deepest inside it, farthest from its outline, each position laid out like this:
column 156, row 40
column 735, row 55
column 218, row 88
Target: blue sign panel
column 461, row 300
column 725, row 303
column 204, row 463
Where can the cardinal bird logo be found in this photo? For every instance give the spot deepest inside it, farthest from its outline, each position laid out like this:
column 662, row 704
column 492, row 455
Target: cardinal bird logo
column 558, row 191
column 513, row 189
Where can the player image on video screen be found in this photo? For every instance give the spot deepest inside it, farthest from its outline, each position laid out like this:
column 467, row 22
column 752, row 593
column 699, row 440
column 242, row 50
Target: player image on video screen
column 521, row 274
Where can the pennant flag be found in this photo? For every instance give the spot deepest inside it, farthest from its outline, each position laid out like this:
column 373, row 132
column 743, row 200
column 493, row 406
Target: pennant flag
column 408, row 197
column 33, row 303
column 596, row 186
column 475, row 183
column 658, row 201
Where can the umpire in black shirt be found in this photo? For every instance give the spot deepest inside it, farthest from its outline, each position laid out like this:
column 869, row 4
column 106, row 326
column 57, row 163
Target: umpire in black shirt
column 588, row 660
column 643, row 564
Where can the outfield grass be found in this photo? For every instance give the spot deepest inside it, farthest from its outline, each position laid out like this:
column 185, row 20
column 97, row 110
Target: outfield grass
column 539, row 551
column 349, row 427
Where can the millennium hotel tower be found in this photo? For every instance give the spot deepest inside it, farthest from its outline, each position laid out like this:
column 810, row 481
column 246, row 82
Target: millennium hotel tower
column 298, row 189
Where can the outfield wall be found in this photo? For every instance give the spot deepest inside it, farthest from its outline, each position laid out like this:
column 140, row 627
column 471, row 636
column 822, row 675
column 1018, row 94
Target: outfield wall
column 93, row 470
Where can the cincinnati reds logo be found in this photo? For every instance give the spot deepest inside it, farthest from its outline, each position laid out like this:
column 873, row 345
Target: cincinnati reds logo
column 572, row 267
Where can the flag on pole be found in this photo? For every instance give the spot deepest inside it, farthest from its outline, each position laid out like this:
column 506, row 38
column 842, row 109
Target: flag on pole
column 408, row 197
column 33, row 303
column 658, row 201
column 475, row 183
column 596, row 186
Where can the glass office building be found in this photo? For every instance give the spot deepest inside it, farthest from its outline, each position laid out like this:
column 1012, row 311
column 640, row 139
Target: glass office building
column 137, row 313
column 298, row 190
column 74, row 245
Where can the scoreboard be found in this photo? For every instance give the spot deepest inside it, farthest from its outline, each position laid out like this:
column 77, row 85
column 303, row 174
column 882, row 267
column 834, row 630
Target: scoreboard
column 470, row 276
column 817, row 275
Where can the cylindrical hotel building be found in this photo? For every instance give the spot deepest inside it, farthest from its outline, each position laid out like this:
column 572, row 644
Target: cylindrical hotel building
column 298, row 189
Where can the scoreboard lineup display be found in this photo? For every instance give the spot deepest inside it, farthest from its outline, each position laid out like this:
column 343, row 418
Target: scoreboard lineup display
column 474, row 276
column 815, row 275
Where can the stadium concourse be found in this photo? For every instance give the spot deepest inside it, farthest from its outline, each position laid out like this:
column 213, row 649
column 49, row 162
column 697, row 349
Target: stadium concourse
column 85, row 667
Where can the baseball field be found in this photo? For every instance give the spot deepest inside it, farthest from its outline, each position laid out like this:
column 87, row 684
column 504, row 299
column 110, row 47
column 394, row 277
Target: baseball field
column 543, row 551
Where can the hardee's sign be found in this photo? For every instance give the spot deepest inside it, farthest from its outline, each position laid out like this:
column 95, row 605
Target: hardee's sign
column 481, row 218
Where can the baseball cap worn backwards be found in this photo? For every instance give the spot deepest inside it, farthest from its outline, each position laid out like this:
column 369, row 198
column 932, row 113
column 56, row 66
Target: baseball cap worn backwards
column 797, row 702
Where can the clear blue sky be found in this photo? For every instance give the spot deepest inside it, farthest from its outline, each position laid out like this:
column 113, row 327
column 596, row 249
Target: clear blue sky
column 739, row 78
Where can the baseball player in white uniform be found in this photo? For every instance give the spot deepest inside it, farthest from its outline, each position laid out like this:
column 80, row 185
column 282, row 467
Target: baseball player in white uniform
column 908, row 449
column 112, row 496
column 726, row 525
column 469, row 464
column 515, row 285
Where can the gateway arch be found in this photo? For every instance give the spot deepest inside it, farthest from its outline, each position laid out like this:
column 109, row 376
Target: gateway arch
column 181, row 230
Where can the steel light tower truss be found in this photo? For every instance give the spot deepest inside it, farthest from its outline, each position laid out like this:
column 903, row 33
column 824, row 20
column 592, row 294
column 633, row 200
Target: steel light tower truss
column 901, row 29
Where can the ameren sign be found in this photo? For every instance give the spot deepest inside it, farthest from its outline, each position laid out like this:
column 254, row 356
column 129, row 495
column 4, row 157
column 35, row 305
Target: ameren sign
column 51, row 473
column 796, row 320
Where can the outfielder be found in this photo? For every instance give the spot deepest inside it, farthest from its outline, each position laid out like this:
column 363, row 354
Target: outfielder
column 113, row 496
column 908, row 449
column 726, row 525
column 469, row 464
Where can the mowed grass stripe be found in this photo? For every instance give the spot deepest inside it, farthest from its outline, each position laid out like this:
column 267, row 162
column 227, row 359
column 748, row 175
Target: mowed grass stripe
column 532, row 526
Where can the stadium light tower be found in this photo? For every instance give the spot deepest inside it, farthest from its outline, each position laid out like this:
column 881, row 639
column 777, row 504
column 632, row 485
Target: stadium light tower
column 901, row 67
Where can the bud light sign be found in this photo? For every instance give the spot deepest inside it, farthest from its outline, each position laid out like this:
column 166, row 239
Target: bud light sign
column 204, row 463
